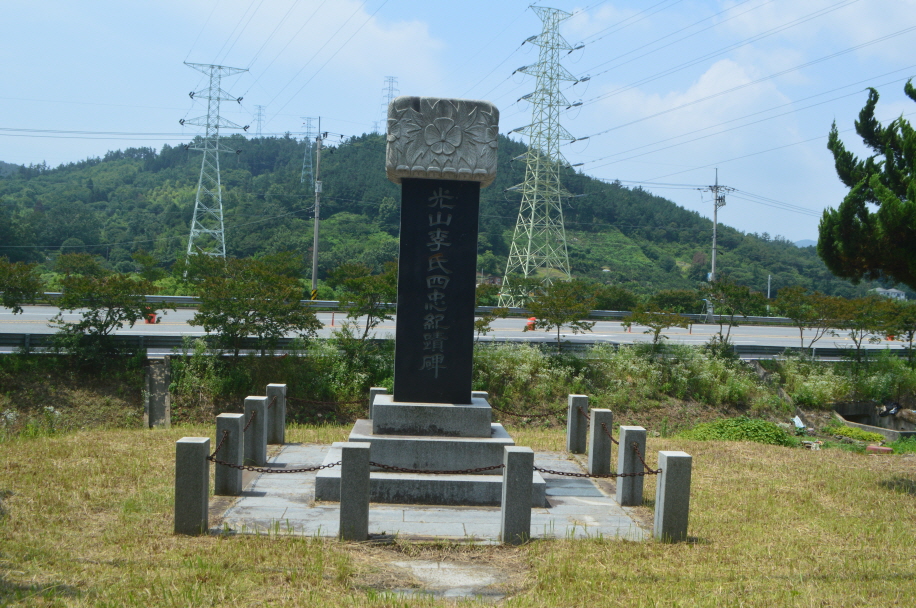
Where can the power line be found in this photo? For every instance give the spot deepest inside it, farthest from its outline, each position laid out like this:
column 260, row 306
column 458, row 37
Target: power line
column 722, row 51
column 741, row 126
column 695, row 23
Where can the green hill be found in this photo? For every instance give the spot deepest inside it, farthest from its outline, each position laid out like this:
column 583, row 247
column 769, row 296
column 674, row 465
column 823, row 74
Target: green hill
column 143, row 199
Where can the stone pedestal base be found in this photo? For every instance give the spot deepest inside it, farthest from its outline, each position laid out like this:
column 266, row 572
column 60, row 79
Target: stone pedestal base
column 430, row 437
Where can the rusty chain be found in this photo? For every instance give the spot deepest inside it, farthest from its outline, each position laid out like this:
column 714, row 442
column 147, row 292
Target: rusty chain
column 547, row 415
column 649, row 470
column 608, row 433
column 219, row 445
column 591, row 476
column 388, row 467
column 254, row 414
column 247, row 467
column 584, row 413
column 310, row 401
column 272, row 403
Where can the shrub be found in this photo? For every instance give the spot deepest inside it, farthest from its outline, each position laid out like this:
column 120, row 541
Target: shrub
column 906, row 445
column 741, row 429
column 854, row 433
column 814, row 384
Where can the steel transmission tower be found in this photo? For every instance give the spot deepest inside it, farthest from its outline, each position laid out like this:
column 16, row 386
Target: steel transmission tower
column 389, row 92
column 307, row 157
column 260, row 120
column 207, row 232
column 538, row 246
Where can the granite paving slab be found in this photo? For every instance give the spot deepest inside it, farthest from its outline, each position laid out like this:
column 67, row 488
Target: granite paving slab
column 285, row 504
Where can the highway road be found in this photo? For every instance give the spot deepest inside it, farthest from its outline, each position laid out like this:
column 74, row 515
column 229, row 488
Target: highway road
column 34, row 320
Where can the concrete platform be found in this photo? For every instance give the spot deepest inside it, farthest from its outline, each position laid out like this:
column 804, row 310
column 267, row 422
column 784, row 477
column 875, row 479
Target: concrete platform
column 414, row 488
column 285, row 504
column 391, row 417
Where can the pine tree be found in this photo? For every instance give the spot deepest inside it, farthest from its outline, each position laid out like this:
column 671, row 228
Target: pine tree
column 857, row 242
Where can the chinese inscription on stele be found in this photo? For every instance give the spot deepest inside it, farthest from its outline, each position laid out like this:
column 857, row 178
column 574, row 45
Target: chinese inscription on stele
column 434, row 338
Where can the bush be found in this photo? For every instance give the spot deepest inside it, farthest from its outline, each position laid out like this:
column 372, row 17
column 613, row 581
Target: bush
column 904, row 446
column 741, row 429
column 854, row 433
column 522, row 378
column 814, row 384
column 630, row 374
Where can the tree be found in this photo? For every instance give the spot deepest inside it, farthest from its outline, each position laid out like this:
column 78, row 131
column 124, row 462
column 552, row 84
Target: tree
column 682, row 301
column 731, row 300
column 487, row 293
column 562, row 304
column 863, row 319
column 814, row 311
column 366, row 294
column 19, row 283
column 656, row 320
column 615, row 297
column 108, row 302
column 900, row 324
column 251, row 297
column 856, row 242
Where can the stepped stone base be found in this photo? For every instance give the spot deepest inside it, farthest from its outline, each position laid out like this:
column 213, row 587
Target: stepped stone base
column 430, row 452
column 409, row 488
column 391, row 417
column 430, row 437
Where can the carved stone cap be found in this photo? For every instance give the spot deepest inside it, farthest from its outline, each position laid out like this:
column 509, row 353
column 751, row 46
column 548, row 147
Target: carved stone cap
column 435, row 138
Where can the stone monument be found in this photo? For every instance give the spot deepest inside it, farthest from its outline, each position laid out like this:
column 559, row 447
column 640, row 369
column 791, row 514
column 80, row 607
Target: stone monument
column 441, row 152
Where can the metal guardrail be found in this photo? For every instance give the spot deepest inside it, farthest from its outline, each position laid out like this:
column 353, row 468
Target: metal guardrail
column 191, row 301
column 45, row 341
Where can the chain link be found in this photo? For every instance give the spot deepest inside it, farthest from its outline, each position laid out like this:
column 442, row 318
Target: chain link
column 273, row 402
column 310, row 401
column 246, row 467
column 547, row 415
column 608, row 433
column 219, row 445
column 590, row 476
column 388, row 467
column 584, row 413
column 649, row 471
column 254, row 414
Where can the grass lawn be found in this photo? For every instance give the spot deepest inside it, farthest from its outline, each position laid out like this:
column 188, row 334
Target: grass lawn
column 87, row 520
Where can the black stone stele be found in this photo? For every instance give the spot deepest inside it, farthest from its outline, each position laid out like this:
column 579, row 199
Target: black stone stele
column 434, row 340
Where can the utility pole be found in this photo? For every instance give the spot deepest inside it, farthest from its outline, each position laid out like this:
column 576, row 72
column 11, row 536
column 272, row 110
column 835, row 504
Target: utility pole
column 314, row 294
column 769, row 279
column 207, row 230
column 718, row 200
column 538, row 247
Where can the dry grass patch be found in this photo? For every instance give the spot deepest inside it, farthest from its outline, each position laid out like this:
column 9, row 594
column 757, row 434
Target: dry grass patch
column 87, row 521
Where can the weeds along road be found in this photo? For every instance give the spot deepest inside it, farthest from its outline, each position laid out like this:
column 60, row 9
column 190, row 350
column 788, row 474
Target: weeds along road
column 35, row 320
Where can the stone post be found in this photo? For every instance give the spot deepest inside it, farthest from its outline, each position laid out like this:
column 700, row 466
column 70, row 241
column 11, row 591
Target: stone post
column 515, row 513
column 227, row 480
column 576, row 424
column 192, row 485
column 630, row 489
column 256, row 435
column 354, row 491
column 441, row 151
column 157, row 407
column 672, row 496
column 480, row 395
column 375, row 390
column 599, row 444
column 276, row 414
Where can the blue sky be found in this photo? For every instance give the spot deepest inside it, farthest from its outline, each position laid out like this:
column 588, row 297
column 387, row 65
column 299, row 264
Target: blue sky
column 677, row 89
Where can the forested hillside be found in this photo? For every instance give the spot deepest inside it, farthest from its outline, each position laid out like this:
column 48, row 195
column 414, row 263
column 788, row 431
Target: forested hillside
column 143, row 199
